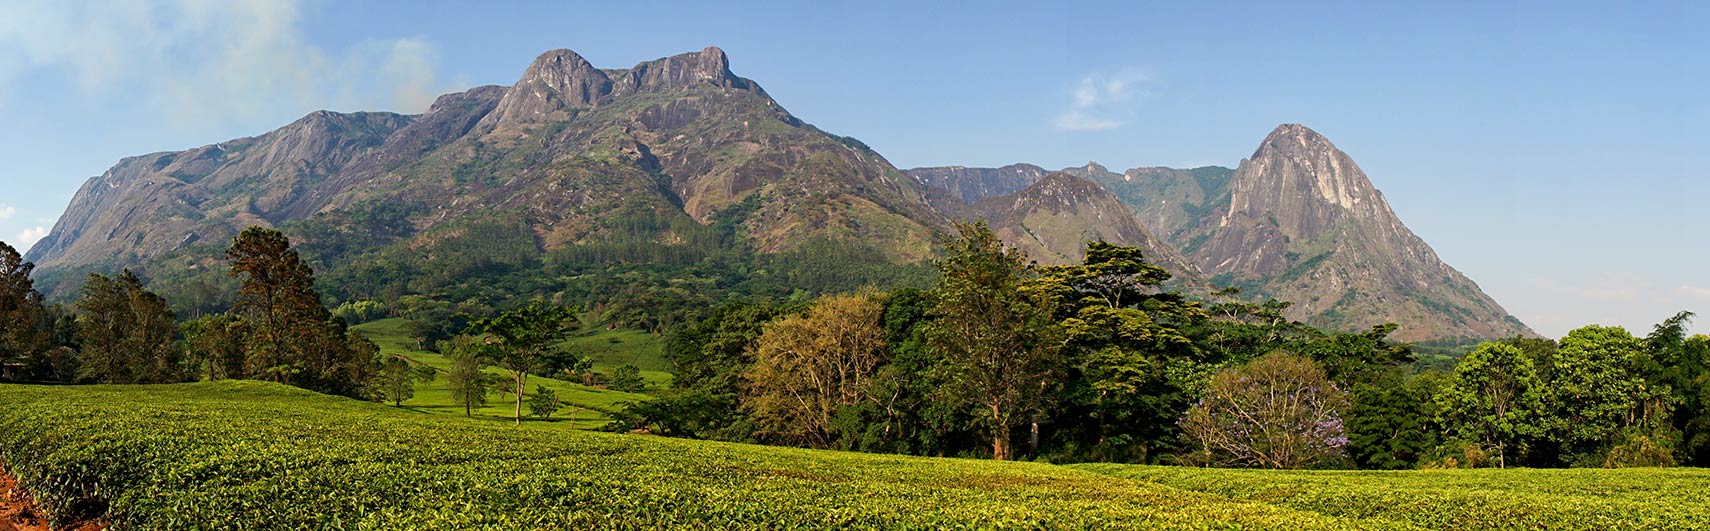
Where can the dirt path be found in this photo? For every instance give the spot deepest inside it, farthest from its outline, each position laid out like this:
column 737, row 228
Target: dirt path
column 19, row 513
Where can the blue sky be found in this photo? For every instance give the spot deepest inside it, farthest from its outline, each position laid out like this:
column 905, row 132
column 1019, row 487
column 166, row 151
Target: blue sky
column 1554, row 152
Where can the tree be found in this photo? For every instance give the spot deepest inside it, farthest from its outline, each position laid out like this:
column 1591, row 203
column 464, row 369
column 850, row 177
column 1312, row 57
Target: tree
column 1681, row 364
column 1598, row 396
column 214, row 346
column 398, row 377
column 1278, row 411
column 526, row 341
column 997, row 339
column 127, row 333
column 293, row 338
column 809, row 367
column 1494, row 399
column 1123, row 332
column 544, row 402
column 627, row 378
column 22, row 314
column 468, row 379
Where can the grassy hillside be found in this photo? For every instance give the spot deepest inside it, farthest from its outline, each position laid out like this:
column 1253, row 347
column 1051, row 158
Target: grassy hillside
column 247, row 455
column 585, row 407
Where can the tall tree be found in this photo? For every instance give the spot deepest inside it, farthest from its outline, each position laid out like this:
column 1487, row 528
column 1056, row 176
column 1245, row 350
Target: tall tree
column 997, row 338
column 1681, row 364
column 1123, row 332
column 1278, row 411
column 1494, row 399
column 810, row 367
column 23, row 335
column 127, row 333
column 293, row 338
column 526, row 341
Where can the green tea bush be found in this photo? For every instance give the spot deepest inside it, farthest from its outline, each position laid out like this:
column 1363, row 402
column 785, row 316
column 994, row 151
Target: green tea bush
column 248, row 455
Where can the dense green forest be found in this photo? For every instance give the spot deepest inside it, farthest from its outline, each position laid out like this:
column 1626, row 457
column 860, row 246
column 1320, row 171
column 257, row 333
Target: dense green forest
column 983, row 354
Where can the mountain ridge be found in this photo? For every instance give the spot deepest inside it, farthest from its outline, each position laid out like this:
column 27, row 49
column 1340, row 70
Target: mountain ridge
column 574, row 155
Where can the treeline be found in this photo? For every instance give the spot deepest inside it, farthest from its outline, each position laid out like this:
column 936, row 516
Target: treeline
column 118, row 332
column 1096, row 362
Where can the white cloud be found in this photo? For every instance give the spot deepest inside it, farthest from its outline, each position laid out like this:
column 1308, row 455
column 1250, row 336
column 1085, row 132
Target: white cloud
column 1695, row 291
column 6, row 211
column 1100, row 101
column 29, row 237
column 206, row 62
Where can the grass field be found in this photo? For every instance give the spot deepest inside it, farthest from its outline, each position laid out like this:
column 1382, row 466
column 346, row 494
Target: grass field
column 587, row 405
column 247, row 455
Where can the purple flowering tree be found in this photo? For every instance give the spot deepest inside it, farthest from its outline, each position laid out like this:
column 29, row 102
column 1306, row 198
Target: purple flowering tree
column 1278, row 411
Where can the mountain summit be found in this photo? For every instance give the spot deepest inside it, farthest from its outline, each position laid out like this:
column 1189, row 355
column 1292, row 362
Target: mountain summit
column 1298, row 221
column 1304, row 224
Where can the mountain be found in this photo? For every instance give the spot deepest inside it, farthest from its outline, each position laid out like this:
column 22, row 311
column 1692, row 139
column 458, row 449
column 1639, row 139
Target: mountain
column 1052, row 220
column 973, row 184
column 1297, row 221
column 569, row 155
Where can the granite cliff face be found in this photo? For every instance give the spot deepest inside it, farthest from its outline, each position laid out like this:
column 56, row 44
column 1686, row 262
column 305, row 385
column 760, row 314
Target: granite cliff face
column 562, row 149
column 1297, row 221
column 973, row 184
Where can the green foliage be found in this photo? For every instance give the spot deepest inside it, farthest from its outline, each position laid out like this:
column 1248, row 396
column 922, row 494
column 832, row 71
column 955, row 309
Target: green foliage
column 1494, row 399
column 126, row 333
column 397, row 379
column 1514, row 499
column 292, row 338
column 627, row 378
column 182, row 456
column 1597, row 394
column 543, row 403
column 24, row 327
column 526, row 341
column 995, row 338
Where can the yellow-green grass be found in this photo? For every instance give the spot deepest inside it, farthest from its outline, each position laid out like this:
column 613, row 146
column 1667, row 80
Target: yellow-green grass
column 584, row 407
column 1636, row 498
column 251, row 455
column 609, row 349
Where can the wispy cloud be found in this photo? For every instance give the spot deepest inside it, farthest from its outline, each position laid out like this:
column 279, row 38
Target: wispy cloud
column 204, row 62
column 29, row 237
column 1102, row 101
column 6, row 212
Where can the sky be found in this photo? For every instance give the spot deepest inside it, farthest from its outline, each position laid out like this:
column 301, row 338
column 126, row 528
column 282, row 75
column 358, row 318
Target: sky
column 1555, row 152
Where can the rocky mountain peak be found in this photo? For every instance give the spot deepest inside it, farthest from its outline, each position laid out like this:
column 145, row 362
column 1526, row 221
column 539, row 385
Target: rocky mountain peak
column 557, row 81
column 1302, row 180
column 710, row 66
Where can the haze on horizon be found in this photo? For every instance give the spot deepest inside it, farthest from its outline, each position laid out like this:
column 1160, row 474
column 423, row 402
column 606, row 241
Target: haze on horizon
column 1552, row 152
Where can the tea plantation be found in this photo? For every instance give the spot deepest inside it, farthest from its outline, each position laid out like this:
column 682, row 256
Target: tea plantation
column 248, row 455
